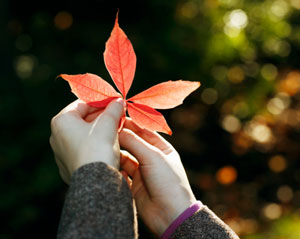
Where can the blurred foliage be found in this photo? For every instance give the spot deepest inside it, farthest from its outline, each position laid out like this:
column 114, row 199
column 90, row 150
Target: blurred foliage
column 238, row 135
column 286, row 227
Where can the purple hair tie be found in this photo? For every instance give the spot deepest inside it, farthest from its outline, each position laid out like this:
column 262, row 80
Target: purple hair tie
column 181, row 218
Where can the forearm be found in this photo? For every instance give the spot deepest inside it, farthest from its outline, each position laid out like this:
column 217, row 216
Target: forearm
column 98, row 205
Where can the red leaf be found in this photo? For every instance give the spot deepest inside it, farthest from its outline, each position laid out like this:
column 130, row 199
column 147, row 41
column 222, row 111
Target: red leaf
column 147, row 117
column 91, row 89
column 102, row 103
column 166, row 95
column 120, row 59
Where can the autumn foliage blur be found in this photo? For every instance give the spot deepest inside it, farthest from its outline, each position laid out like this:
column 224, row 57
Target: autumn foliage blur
column 239, row 135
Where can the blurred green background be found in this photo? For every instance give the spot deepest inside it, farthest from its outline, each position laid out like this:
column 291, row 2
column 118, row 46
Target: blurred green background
column 238, row 135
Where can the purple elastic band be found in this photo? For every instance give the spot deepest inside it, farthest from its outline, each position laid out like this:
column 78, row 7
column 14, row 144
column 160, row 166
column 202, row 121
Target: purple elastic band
column 181, row 218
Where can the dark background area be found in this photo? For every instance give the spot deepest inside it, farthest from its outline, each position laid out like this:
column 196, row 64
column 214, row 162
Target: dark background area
column 238, row 135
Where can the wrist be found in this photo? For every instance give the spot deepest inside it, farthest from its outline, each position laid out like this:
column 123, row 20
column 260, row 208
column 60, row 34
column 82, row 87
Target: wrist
column 193, row 208
column 173, row 211
column 104, row 154
column 109, row 162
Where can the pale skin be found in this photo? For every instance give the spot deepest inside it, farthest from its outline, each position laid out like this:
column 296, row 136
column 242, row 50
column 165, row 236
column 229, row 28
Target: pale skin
column 150, row 164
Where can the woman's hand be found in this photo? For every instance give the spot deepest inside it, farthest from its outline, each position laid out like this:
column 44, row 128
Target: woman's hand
column 159, row 183
column 76, row 142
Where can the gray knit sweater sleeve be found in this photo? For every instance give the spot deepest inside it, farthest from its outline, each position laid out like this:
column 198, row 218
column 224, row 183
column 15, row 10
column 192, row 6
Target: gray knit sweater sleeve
column 98, row 204
column 204, row 224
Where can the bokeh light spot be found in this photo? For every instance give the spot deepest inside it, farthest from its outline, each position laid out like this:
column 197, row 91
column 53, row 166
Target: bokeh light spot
column 280, row 8
column 269, row 72
column 63, row 20
column 235, row 225
column 275, row 106
column 231, row 124
column 212, row 3
column 229, row 3
column 249, row 225
column 236, row 74
column 277, row 47
column 242, row 226
column 242, row 143
column 279, row 103
column 219, row 72
column 226, row 175
column 189, row 9
column 237, row 19
column 291, row 117
column 209, row 96
column 283, row 29
column 277, row 163
column 272, row 211
column 295, row 4
column 24, row 66
column 260, row 133
column 286, row 99
column 241, row 109
column 284, row 48
column 248, row 53
column 228, row 106
column 285, row 194
column 291, row 84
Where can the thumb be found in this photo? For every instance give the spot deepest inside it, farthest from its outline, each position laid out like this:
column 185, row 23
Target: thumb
column 108, row 121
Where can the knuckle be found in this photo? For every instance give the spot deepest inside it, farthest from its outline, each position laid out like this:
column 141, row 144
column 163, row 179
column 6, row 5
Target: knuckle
column 130, row 135
column 54, row 122
column 58, row 121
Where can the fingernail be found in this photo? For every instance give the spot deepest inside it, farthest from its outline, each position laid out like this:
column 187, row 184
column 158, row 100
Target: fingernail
column 121, row 101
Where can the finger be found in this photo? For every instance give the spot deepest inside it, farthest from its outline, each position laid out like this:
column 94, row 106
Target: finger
column 144, row 152
column 128, row 163
column 91, row 117
column 78, row 108
column 137, row 184
column 127, row 179
column 151, row 137
column 107, row 123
